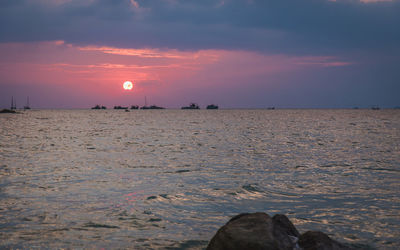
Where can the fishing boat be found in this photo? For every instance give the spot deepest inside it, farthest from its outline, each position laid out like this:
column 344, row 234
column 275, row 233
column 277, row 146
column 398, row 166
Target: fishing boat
column 99, row 107
column 120, row 107
column 7, row 111
column 375, row 108
column 192, row 106
column 152, row 107
column 212, row 106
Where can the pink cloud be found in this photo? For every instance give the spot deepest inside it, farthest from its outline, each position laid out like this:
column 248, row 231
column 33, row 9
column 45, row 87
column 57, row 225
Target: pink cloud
column 162, row 74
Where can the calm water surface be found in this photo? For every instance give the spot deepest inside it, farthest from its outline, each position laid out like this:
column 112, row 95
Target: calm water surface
column 171, row 178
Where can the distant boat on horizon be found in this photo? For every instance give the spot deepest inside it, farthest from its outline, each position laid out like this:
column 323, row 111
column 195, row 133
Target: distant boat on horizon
column 99, row 107
column 8, row 111
column 375, row 108
column 149, row 107
column 27, row 104
column 191, row 106
column 120, row 107
column 212, row 106
column 13, row 103
column 152, row 107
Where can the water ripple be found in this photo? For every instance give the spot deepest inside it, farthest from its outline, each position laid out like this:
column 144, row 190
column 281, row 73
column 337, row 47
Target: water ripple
column 170, row 179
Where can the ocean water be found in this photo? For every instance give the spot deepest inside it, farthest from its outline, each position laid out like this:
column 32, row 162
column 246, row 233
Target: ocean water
column 170, row 178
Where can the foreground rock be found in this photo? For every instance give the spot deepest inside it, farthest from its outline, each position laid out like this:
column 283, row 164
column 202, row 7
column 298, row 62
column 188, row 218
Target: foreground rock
column 318, row 240
column 260, row 231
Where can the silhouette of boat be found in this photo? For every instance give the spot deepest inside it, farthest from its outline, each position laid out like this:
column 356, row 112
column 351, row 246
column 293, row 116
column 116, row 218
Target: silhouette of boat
column 192, row 106
column 120, row 107
column 13, row 103
column 27, row 104
column 271, row 108
column 134, row 107
column 99, row 107
column 212, row 106
column 152, row 107
column 8, row 111
column 375, row 108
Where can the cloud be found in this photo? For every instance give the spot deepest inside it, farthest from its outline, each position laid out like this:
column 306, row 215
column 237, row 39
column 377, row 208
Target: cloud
column 278, row 26
column 145, row 53
column 169, row 75
column 243, row 53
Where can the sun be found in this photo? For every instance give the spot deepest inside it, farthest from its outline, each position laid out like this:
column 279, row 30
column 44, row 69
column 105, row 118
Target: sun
column 128, row 85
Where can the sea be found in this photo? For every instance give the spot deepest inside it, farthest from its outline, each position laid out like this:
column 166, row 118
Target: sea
column 168, row 179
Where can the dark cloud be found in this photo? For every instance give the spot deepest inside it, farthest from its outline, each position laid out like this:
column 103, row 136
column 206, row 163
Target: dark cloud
column 280, row 26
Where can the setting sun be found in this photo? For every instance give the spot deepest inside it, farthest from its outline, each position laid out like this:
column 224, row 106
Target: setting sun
column 128, row 85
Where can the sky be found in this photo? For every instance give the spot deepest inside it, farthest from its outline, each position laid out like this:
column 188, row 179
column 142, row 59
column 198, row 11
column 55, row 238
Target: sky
column 234, row 53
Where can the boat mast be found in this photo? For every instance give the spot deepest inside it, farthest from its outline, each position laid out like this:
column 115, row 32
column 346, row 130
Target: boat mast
column 27, row 103
column 13, row 103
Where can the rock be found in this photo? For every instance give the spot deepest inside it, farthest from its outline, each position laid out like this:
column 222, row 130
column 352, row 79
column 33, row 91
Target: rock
column 260, row 231
column 255, row 231
column 314, row 240
column 284, row 229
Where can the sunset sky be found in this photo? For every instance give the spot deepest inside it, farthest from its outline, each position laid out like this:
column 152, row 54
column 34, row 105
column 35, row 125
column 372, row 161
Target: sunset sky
column 234, row 53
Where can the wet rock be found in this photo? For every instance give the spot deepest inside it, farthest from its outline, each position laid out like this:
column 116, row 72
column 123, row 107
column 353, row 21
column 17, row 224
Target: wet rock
column 260, row 231
column 255, row 231
column 314, row 240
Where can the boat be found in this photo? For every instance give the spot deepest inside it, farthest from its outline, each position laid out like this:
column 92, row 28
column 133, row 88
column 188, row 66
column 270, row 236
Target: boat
column 375, row 108
column 13, row 103
column 120, row 107
column 8, row 111
column 134, row 107
column 192, row 106
column 99, row 107
column 27, row 104
column 152, row 107
column 212, row 106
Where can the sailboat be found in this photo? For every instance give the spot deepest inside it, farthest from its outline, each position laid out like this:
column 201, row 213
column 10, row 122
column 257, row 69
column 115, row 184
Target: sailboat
column 13, row 103
column 27, row 104
column 150, row 107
